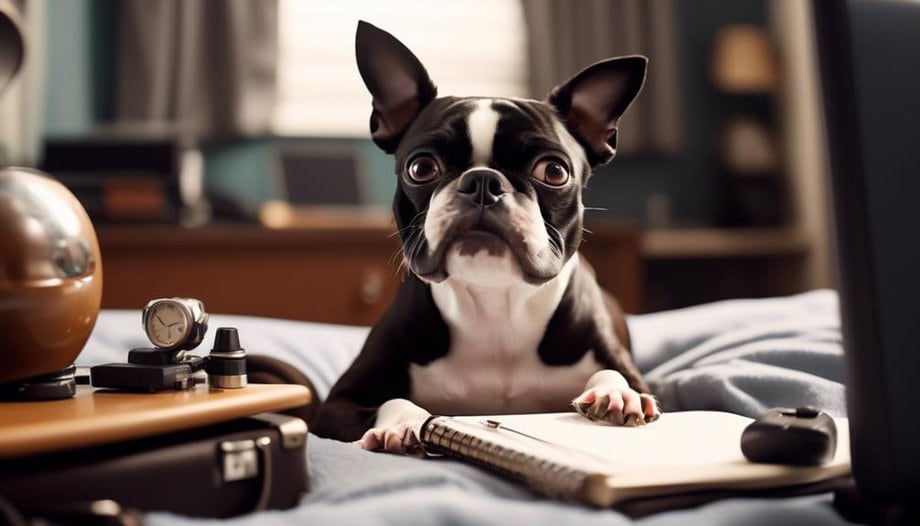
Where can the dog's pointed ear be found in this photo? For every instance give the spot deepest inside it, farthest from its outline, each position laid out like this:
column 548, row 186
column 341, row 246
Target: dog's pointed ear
column 592, row 102
column 396, row 79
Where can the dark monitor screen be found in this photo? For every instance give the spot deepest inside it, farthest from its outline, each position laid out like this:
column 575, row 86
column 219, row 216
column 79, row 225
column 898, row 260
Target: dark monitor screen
column 320, row 177
column 869, row 55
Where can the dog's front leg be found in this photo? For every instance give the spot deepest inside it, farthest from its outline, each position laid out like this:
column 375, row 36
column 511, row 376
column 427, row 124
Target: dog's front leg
column 396, row 429
column 609, row 398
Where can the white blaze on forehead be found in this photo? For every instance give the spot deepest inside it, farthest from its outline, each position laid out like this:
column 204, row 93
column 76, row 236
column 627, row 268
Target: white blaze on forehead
column 482, row 124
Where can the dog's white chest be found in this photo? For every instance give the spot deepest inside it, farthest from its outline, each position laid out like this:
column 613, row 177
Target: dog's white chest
column 486, row 378
column 493, row 365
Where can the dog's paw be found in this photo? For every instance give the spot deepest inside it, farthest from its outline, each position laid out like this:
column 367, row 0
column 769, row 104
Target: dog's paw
column 618, row 406
column 399, row 439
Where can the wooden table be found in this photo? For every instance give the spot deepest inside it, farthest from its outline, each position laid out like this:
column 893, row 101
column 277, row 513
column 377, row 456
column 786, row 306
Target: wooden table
column 96, row 417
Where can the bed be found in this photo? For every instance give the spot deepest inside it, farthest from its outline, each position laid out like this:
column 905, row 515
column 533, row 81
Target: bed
column 742, row 356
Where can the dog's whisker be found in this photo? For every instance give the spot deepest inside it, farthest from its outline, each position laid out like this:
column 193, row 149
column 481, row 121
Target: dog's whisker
column 414, row 242
column 395, row 257
column 412, row 239
column 555, row 239
column 412, row 224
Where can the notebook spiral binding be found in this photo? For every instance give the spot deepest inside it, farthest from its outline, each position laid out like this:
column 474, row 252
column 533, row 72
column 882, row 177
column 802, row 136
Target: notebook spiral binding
column 551, row 478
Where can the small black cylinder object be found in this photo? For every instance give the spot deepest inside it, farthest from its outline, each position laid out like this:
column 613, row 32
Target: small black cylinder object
column 226, row 365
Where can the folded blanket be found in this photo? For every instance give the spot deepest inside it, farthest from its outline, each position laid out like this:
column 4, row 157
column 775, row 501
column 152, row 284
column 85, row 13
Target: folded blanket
column 745, row 356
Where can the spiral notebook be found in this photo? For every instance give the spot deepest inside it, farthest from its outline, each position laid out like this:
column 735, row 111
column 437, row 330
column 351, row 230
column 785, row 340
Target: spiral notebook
column 567, row 456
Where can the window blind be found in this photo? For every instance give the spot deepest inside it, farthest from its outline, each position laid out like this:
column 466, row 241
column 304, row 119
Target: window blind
column 470, row 47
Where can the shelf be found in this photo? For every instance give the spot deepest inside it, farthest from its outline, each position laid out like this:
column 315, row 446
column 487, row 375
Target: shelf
column 701, row 243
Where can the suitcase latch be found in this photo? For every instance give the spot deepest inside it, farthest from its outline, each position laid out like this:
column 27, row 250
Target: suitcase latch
column 241, row 458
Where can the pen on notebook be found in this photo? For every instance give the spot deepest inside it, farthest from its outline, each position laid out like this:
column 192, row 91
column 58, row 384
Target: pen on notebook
column 497, row 425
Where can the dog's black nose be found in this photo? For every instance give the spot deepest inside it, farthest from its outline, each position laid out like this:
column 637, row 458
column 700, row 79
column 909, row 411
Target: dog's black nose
column 481, row 187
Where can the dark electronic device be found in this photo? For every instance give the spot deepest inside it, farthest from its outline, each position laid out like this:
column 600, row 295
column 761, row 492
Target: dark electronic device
column 803, row 436
column 868, row 60
column 120, row 177
column 149, row 370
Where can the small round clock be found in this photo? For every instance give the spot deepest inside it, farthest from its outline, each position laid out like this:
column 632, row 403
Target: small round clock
column 175, row 323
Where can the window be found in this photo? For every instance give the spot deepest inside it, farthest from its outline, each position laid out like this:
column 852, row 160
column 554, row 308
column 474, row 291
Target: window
column 470, row 47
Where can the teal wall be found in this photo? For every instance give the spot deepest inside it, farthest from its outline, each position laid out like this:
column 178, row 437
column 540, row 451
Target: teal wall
column 247, row 167
column 69, row 97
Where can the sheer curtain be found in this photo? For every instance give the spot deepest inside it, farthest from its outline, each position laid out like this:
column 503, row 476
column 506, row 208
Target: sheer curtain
column 565, row 36
column 207, row 67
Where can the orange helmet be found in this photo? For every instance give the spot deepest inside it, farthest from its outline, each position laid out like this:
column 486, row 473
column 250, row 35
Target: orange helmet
column 50, row 275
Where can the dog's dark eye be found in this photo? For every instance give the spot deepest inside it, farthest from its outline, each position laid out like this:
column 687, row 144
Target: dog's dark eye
column 551, row 172
column 423, row 169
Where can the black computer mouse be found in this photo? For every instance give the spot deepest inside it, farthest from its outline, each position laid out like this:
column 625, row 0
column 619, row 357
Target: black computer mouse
column 804, row 436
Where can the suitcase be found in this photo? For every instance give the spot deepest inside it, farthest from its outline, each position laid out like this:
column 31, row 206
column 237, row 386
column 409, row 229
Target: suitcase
column 246, row 465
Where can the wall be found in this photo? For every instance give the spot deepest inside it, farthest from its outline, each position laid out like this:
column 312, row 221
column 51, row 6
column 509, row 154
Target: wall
column 69, row 100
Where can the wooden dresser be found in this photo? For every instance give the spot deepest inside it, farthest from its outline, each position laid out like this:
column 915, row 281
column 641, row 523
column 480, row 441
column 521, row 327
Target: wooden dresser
column 333, row 268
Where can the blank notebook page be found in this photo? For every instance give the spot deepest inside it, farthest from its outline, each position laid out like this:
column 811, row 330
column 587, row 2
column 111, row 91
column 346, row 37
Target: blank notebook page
column 680, row 448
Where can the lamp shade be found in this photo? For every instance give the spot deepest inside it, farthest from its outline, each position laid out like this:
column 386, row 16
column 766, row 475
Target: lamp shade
column 744, row 60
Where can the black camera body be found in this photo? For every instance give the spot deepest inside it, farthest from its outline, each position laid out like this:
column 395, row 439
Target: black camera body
column 155, row 369
column 150, row 369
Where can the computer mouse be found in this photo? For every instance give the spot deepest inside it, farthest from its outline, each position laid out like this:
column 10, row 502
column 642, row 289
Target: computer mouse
column 804, row 436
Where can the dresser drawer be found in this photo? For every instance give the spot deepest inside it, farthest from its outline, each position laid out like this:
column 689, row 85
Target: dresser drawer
column 335, row 277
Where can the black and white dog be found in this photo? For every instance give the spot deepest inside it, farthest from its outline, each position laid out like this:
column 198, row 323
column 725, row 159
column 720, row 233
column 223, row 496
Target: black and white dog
column 497, row 314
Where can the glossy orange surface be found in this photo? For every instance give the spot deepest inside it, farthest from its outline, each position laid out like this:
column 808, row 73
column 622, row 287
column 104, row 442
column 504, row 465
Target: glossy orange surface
column 50, row 275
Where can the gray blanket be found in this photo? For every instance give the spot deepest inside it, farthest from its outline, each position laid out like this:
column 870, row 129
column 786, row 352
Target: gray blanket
column 742, row 356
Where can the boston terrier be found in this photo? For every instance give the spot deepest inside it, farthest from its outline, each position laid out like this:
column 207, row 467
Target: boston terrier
column 497, row 312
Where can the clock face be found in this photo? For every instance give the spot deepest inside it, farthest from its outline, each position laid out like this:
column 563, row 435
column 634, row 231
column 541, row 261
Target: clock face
column 168, row 324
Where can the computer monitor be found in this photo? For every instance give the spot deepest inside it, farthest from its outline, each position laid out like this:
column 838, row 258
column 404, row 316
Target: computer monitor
column 869, row 58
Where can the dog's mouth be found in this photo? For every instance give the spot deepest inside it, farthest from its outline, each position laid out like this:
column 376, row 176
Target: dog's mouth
column 469, row 233
column 480, row 236
column 482, row 232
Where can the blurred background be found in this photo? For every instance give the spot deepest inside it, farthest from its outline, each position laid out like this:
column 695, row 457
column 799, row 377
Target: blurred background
column 221, row 146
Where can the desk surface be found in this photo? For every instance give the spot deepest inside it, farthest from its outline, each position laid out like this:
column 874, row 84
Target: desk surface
column 95, row 417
